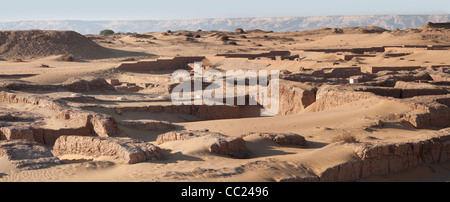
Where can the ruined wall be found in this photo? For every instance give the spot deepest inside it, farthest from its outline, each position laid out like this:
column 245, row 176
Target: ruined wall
column 445, row 25
column 203, row 112
column 90, row 123
column 329, row 96
column 294, row 97
column 27, row 155
column 403, row 90
column 83, row 84
column 374, row 70
column 342, row 72
column 432, row 111
column 351, row 50
column 271, row 54
column 439, row 76
column 386, row 158
column 350, row 57
column 160, row 64
column 429, row 111
column 381, row 91
column 438, row 47
column 126, row 149
column 213, row 142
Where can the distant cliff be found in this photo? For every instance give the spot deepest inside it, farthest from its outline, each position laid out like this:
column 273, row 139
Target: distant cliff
column 278, row 24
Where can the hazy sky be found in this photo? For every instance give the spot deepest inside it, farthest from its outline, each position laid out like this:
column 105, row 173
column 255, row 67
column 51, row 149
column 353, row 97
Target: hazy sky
column 15, row 10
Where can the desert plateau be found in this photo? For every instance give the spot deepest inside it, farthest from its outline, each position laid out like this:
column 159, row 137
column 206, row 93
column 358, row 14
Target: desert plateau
column 355, row 104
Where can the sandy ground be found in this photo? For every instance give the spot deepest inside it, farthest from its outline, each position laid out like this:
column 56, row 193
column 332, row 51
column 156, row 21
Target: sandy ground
column 267, row 161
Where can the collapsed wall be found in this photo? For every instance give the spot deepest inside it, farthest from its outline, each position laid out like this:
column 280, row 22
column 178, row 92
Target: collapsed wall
column 213, row 142
column 282, row 138
column 376, row 69
column 412, row 89
column 329, row 96
column 126, row 149
column 441, row 74
column 426, row 111
column 91, row 124
column 444, row 25
column 390, row 78
column 27, row 155
column 385, row 158
column 324, row 75
column 161, row 64
column 150, row 125
column 350, row 50
column 77, row 84
column 294, row 97
column 342, row 72
column 203, row 112
column 272, row 55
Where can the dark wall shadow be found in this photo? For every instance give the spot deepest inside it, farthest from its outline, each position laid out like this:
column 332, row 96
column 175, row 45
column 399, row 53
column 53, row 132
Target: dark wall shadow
column 115, row 53
column 175, row 157
column 16, row 76
column 255, row 150
column 315, row 145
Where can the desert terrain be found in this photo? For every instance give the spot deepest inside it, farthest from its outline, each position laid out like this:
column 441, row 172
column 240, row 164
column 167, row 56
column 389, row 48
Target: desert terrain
column 356, row 104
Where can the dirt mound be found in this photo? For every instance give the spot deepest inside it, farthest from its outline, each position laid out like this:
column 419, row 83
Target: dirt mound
column 37, row 43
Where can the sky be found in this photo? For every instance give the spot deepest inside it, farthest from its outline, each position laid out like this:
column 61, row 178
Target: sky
column 19, row 10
